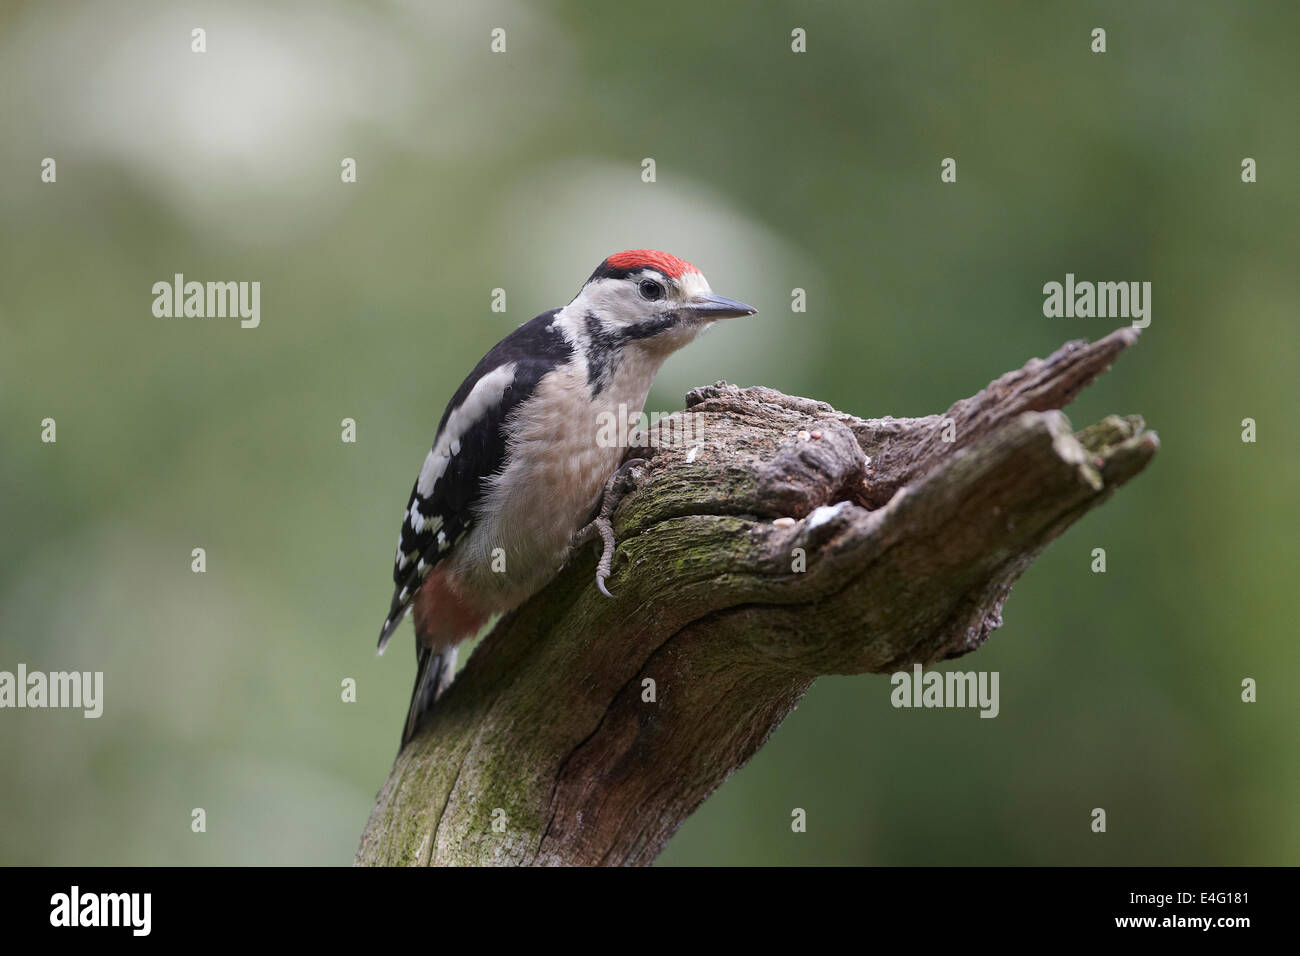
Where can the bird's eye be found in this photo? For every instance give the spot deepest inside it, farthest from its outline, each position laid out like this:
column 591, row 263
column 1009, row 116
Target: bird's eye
column 651, row 290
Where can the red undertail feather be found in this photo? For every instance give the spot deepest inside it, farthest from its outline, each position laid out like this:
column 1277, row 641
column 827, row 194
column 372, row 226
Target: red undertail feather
column 443, row 615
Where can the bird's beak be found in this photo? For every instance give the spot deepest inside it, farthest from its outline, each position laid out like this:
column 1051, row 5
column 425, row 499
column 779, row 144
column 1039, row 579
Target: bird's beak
column 711, row 307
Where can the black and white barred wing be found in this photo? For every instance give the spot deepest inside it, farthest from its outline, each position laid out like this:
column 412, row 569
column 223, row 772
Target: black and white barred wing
column 469, row 448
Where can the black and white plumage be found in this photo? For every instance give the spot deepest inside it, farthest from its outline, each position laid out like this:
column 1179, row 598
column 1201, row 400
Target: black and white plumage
column 452, row 479
column 517, row 465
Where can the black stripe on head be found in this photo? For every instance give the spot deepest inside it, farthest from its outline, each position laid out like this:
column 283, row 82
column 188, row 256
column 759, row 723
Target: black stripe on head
column 606, row 271
column 650, row 327
column 607, row 343
column 603, row 356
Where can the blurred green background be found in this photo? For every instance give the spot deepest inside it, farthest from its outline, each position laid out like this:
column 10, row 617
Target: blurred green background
column 522, row 170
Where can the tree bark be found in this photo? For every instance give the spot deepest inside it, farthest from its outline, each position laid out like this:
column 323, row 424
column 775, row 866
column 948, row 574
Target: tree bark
column 547, row 749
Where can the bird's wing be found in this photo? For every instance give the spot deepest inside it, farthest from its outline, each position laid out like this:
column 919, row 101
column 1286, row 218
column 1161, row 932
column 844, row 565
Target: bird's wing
column 469, row 448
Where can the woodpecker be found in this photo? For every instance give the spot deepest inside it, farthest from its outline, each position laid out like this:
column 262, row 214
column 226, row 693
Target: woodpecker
column 516, row 470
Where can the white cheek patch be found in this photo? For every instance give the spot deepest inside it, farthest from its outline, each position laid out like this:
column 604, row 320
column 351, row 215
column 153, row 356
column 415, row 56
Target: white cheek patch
column 485, row 395
column 618, row 302
column 605, row 297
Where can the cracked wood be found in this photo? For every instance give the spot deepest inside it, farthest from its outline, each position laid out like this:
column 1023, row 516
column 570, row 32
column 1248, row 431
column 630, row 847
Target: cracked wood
column 909, row 560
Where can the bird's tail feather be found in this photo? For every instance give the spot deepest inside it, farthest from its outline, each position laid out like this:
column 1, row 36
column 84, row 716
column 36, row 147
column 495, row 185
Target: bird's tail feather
column 433, row 673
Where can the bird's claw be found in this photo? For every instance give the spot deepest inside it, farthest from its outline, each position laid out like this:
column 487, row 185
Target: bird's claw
column 602, row 525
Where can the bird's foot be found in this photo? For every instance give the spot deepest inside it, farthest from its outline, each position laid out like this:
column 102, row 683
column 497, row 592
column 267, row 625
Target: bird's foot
column 616, row 489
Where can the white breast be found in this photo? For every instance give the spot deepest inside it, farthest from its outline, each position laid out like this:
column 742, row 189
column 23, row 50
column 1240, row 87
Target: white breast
column 556, row 471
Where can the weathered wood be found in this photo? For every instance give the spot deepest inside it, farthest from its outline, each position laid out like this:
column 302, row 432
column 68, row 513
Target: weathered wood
column 911, row 545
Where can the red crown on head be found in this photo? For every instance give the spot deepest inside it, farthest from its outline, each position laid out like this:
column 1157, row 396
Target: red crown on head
column 650, row 259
